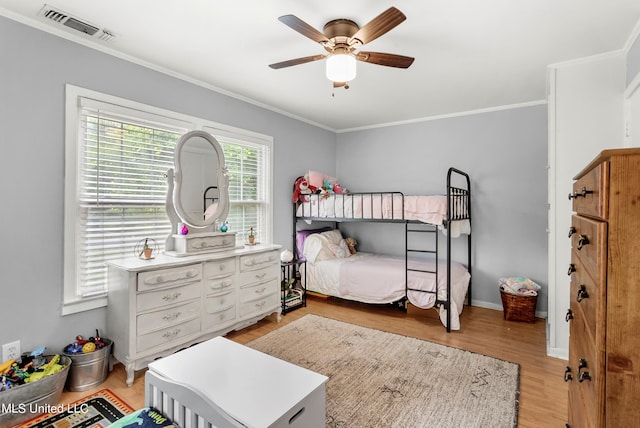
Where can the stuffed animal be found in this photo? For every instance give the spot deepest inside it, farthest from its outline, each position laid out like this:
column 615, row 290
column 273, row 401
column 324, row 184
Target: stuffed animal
column 302, row 188
column 327, row 185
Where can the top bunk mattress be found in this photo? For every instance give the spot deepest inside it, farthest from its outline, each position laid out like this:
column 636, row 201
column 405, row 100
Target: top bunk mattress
column 430, row 209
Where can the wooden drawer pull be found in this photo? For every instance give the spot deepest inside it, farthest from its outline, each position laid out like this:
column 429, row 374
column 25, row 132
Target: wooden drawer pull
column 583, row 193
column 583, row 375
column 582, row 293
column 569, row 316
column 584, row 240
column 567, row 374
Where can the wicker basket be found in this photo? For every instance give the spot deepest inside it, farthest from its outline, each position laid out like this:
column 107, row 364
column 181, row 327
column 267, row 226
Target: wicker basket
column 519, row 308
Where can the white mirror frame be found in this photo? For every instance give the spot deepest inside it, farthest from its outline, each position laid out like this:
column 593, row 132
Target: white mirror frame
column 174, row 177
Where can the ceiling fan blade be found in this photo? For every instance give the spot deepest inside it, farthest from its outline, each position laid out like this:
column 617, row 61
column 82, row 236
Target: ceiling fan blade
column 339, row 84
column 297, row 61
column 303, row 28
column 390, row 60
column 379, row 25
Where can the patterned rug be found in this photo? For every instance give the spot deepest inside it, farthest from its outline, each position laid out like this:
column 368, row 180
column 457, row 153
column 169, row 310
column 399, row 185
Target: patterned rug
column 96, row 411
column 379, row 379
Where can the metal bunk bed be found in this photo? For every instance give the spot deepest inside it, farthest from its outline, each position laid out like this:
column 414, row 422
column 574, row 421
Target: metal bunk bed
column 363, row 207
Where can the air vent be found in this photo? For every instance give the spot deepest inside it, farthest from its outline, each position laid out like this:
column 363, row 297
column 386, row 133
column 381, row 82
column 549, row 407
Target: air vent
column 52, row 14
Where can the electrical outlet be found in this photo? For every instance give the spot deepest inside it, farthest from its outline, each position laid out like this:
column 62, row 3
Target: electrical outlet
column 11, row 351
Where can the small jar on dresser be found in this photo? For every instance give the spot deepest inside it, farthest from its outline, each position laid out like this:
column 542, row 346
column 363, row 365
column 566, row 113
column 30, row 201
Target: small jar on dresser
column 603, row 371
column 159, row 306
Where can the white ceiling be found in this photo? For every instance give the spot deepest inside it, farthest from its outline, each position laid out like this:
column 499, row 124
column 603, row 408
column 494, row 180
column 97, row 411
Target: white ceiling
column 470, row 55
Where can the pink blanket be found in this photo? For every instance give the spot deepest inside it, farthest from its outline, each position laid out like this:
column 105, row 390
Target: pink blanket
column 381, row 279
column 428, row 209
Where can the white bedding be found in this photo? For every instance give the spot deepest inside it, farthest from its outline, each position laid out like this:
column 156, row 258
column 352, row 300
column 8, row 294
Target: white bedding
column 428, row 209
column 371, row 278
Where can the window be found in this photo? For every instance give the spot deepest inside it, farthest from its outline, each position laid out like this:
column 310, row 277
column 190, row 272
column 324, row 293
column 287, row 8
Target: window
column 117, row 156
column 248, row 164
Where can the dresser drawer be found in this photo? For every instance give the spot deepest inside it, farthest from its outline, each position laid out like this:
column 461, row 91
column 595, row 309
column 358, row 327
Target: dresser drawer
column 587, row 299
column 218, row 319
column 200, row 243
column 260, row 275
column 582, row 349
column 167, row 317
column 260, row 305
column 591, row 192
column 259, row 260
column 219, row 268
column 221, row 302
column 167, row 337
column 167, row 296
column 258, row 291
column 171, row 277
column 218, row 285
column 589, row 244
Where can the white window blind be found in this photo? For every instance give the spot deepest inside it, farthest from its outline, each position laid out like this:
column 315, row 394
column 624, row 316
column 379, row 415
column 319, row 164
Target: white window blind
column 122, row 189
column 117, row 153
column 248, row 163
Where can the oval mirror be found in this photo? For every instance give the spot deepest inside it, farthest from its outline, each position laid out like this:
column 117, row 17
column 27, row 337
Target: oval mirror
column 200, row 194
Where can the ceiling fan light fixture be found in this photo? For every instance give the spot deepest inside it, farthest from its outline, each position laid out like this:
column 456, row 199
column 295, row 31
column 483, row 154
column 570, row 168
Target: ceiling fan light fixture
column 341, row 68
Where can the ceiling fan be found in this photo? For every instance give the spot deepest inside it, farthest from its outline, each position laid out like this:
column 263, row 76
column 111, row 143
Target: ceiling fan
column 341, row 38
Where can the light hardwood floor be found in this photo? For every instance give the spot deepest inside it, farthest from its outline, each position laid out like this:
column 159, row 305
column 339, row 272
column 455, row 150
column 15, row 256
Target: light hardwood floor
column 543, row 392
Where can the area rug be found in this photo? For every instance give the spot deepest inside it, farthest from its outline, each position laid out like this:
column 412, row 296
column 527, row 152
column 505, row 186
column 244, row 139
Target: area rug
column 96, row 411
column 380, row 379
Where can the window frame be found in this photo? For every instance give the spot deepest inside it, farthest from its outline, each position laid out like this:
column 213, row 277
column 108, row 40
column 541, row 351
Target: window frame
column 72, row 302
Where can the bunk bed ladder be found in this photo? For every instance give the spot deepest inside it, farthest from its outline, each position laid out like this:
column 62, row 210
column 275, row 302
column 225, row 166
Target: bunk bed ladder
column 416, row 229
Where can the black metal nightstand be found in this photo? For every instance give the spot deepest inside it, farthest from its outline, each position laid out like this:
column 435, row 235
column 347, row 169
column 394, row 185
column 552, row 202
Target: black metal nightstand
column 293, row 286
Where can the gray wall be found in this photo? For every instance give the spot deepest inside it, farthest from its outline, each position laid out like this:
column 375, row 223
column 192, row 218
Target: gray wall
column 34, row 69
column 504, row 152
column 633, row 61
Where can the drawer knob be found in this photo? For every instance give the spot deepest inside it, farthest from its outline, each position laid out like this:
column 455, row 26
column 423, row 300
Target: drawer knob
column 569, row 316
column 171, row 334
column 567, row 374
column 583, row 193
column 572, row 269
column 582, row 241
column 572, row 230
column 171, row 317
column 172, row 296
column 582, row 293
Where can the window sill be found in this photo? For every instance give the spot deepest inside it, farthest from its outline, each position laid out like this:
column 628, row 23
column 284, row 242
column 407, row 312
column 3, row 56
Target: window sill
column 81, row 305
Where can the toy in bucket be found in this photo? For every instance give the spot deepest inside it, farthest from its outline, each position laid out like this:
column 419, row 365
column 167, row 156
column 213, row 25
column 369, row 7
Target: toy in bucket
column 519, row 298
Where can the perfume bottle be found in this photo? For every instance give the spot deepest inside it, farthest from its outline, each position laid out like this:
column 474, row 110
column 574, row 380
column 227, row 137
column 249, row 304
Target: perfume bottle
column 224, row 227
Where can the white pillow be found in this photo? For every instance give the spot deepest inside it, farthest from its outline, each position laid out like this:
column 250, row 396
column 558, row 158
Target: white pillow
column 317, row 246
column 332, row 236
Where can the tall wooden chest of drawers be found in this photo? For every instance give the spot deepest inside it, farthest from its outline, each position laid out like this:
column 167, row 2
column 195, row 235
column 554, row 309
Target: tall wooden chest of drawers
column 604, row 346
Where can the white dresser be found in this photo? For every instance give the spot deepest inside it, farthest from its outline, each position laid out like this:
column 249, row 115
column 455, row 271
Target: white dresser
column 159, row 306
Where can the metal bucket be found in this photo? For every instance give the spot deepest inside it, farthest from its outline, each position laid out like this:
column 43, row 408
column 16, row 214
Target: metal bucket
column 27, row 401
column 89, row 370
